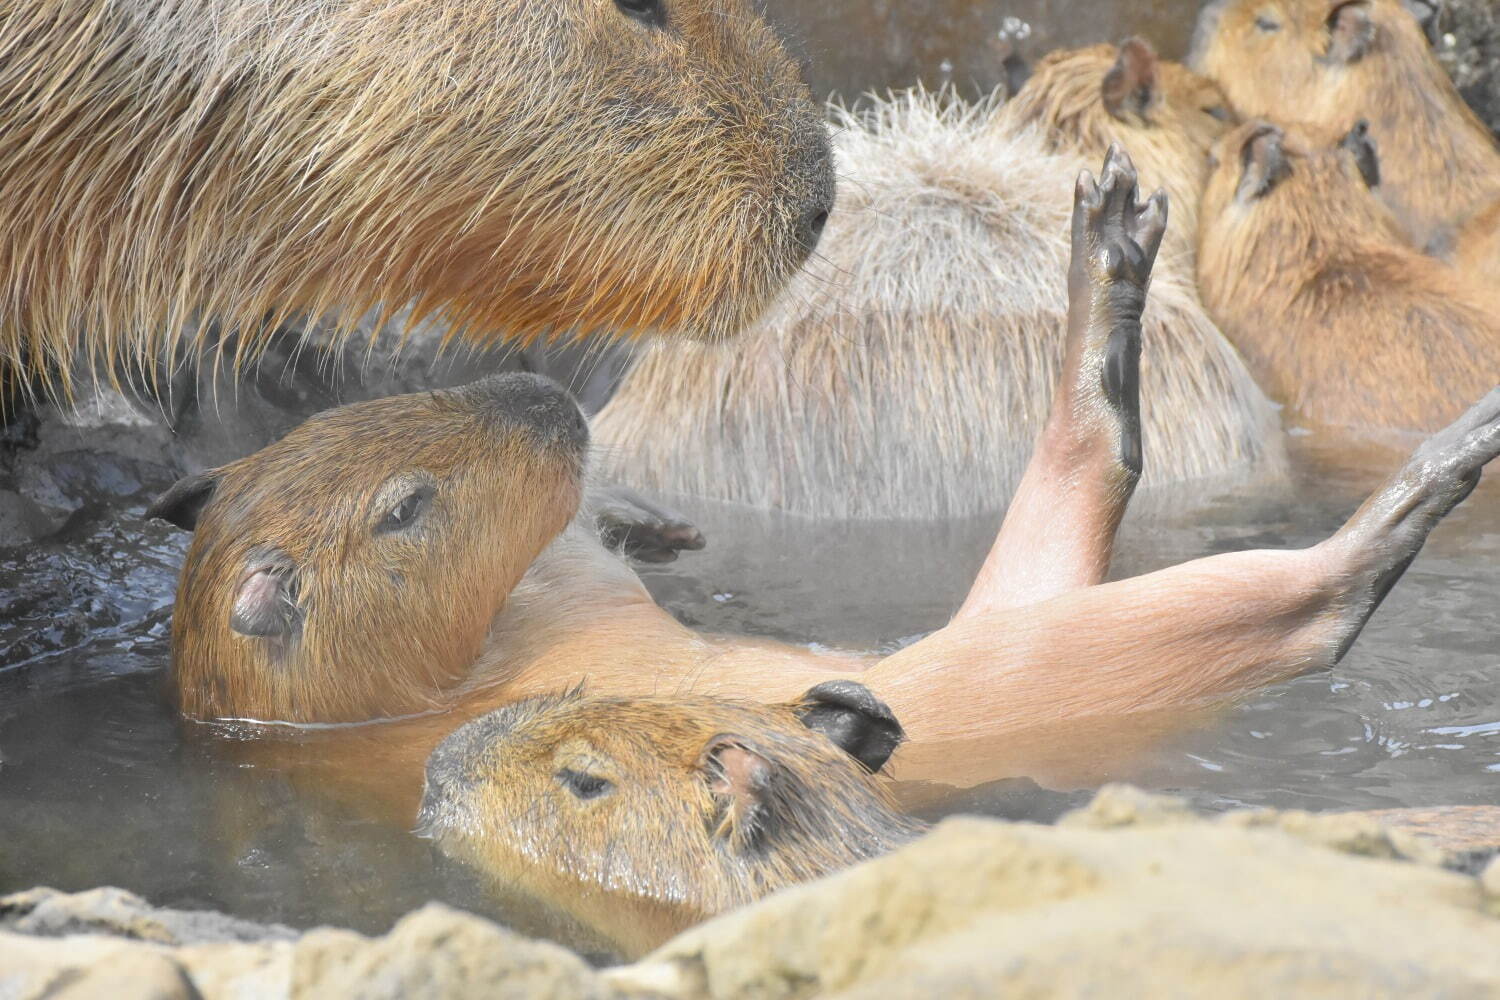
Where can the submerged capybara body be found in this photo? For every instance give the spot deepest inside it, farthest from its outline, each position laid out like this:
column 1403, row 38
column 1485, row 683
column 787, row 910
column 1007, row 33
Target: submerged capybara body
column 935, row 297
column 1330, row 63
column 1307, row 272
column 405, row 562
column 623, row 814
column 517, row 167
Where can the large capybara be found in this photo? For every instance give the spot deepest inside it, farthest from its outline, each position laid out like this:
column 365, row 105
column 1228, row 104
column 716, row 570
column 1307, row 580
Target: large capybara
column 628, row 166
column 365, row 569
column 906, row 372
column 1330, row 63
column 640, row 817
column 1308, row 273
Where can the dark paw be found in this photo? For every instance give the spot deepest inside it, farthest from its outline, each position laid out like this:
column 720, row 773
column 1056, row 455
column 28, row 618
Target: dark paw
column 1451, row 460
column 1115, row 235
column 640, row 529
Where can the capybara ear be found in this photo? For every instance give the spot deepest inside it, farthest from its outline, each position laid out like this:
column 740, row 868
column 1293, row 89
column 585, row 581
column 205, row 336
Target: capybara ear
column 1351, row 32
column 182, row 504
column 265, row 601
column 739, row 774
column 1130, row 84
column 1263, row 162
column 1359, row 143
column 854, row 719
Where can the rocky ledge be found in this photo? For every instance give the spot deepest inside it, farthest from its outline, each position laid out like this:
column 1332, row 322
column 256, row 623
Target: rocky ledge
column 1131, row 896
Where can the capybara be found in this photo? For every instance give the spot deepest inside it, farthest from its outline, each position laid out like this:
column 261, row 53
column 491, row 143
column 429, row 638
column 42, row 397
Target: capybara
column 1330, row 63
column 640, row 817
column 580, row 165
column 907, row 371
column 1476, row 245
column 1307, row 272
column 380, row 583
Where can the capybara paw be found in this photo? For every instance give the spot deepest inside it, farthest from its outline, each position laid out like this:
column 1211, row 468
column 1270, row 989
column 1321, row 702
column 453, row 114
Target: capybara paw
column 1115, row 235
column 640, row 529
column 1447, row 465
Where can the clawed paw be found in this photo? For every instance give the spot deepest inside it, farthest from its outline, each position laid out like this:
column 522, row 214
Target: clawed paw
column 1115, row 235
column 640, row 529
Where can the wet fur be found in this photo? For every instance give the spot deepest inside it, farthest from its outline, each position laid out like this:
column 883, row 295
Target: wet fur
column 1439, row 162
column 517, row 167
column 936, row 297
column 1335, row 314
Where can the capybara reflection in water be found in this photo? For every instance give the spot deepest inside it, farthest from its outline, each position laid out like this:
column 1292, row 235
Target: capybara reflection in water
column 629, row 166
column 1309, row 275
column 638, row 818
column 1329, row 63
column 907, row 370
column 365, row 568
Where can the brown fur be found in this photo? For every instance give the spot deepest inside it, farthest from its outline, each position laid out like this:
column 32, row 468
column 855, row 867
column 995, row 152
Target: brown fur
column 1476, row 249
column 498, row 797
column 652, row 855
column 1330, row 63
column 1334, row 313
column 1041, row 651
column 935, row 298
column 519, row 167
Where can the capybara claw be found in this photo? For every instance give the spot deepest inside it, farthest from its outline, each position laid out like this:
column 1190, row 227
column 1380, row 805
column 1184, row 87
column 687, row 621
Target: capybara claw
column 641, row 529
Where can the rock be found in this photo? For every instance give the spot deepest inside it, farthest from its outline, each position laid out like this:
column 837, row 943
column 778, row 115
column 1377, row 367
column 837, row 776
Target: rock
column 1465, row 35
column 1180, row 908
column 22, row 520
column 48, row 913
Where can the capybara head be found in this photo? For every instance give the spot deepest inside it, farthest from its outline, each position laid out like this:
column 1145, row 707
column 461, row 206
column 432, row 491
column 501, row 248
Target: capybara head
column 1281, row 195
column 643, row 816
column 351, row 570
column 1165, row 114
column 616, row 165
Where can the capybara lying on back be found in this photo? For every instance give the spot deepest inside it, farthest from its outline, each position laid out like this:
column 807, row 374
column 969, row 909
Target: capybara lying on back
column 640, row 817
column 619, row 165
column 349, row 572
column 905, row 373
column 1308, row 273
column 1330, row 63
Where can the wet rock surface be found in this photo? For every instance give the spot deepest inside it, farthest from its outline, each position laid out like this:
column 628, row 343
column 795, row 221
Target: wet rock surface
column 1131, row 895
column 1465, row 34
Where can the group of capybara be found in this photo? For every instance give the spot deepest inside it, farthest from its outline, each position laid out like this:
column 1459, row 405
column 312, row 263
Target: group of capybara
column 419, row 581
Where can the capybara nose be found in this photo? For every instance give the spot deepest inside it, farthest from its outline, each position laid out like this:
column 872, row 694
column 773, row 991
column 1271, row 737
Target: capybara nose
column 534, row 401
column 813, row 173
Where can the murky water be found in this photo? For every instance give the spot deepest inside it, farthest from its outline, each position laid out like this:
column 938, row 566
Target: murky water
column 100, row 784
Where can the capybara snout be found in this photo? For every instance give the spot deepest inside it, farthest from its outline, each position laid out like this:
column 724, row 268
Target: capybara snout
column 400, row 552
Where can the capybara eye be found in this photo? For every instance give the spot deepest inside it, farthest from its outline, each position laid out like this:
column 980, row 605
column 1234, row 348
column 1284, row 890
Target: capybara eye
column 1266, row 24
column 405, row 513
column 1218, row 111
column 648, row 11
column 582, row 785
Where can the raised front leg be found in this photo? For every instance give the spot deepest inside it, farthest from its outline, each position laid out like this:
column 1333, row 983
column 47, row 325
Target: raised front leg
column 1059, row 531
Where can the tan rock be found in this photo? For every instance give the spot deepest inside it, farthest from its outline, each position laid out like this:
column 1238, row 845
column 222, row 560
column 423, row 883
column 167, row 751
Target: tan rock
column 981, row 908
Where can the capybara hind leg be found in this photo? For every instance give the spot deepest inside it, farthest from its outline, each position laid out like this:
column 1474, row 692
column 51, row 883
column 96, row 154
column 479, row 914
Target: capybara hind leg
column 1385, row 535
column 1059, row 531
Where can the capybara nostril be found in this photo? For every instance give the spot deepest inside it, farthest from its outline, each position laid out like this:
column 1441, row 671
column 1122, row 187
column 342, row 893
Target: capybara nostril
column 535, row 401
column 812, row 172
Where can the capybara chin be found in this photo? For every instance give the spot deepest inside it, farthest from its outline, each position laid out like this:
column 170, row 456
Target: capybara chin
column 399, row 564
column 646, row 816
column 905, row 373
column 574, row 165
column 1308, row 273
column 1330, row 63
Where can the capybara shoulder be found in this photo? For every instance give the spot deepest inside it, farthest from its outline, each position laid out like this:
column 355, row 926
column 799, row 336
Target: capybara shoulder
column 626, row 166
column 1166, row 115
column 642, row 817
column 351, row 570
column 1308, row 273
column 1330, row 64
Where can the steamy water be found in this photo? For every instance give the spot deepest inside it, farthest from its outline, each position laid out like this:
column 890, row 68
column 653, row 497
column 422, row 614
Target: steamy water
column 100, row 784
